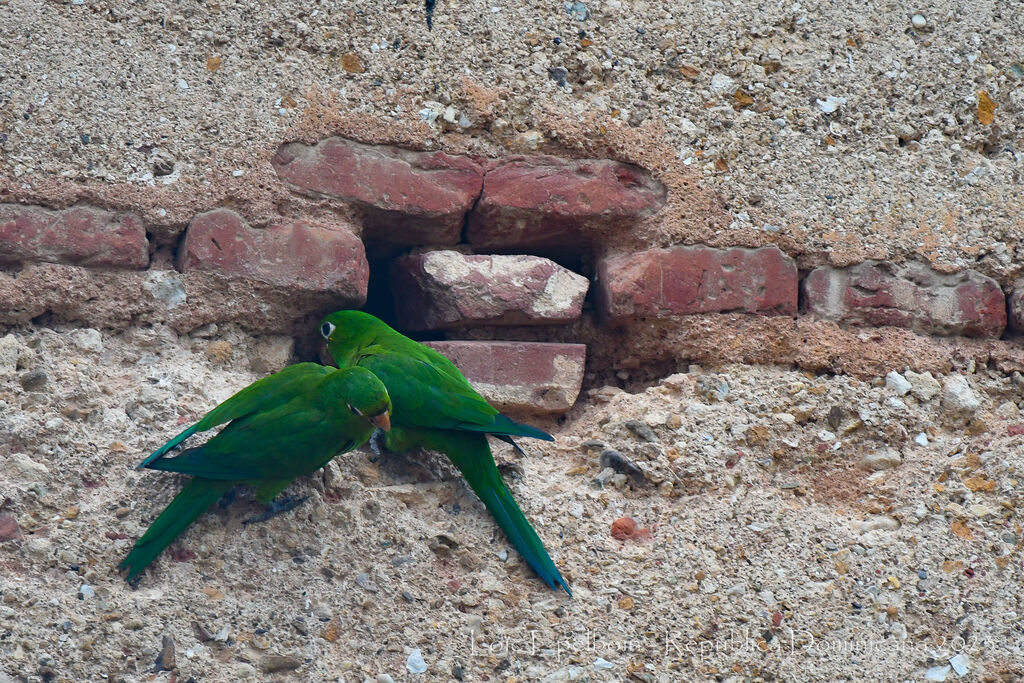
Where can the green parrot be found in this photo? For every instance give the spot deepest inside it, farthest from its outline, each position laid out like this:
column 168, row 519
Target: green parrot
column 281, row 427
column 436, row 408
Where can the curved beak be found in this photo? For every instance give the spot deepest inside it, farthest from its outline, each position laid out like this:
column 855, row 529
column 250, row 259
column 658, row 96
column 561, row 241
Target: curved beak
column 325, row 356
column 383, row 420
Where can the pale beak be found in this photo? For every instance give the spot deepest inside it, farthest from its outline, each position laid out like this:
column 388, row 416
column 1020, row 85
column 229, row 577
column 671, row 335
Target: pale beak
column 383, row 421
column 325, row 356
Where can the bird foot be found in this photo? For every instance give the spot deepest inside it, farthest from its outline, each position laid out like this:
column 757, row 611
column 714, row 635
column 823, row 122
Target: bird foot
column 228, row 498
column 276, row 507
column 377, row 443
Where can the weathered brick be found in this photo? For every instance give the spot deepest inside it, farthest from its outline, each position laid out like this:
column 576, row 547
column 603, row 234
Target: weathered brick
column 446, row 289
column 880, row 293
column 9, row 529
column 544, row 201
column 1015, row 307
column 184, row 301
column 407, row 197
column 520, row 376
column 685, row 280
column 80, row 235
column 298, row 256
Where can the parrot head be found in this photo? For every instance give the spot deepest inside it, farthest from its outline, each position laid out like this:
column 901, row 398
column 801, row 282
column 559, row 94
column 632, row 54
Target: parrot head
column 363, row 394
column 344, row 333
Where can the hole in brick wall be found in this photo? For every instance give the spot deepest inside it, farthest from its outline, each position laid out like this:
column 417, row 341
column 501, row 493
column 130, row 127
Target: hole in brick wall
column 162, row 256
column 379, row 299
column 45, row 319
column 801, row 295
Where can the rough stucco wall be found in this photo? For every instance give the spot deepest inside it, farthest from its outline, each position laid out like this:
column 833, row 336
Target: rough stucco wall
column 903, row 167
column 171, row 109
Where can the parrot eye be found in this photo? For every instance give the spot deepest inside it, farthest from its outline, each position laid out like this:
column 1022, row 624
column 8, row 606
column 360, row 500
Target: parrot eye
column 355, row 411
column 326, row 329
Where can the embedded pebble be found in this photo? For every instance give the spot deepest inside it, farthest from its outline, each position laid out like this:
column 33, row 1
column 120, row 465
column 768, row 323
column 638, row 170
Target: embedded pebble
column 898, row 383
column 922, row 385
column 882, row 459
column 960, row 664
column 722, row 84
column 415, row 664
column 958, row 396
column 641, row 430
column 918, row 21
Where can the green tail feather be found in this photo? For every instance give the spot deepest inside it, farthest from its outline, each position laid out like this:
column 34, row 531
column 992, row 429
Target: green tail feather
column 167, row 447
column 485, row 480
column 192, row 501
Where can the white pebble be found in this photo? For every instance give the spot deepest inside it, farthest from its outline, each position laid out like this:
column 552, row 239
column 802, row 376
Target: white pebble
column 918, row 21
column 921, row 439
column 722, row 84
column 960, row 664
column 602, row 663
column 937, row 673
column 897, row 383
column 830, row 104
column 415, row 663
column 958, row 396
column 182, row 84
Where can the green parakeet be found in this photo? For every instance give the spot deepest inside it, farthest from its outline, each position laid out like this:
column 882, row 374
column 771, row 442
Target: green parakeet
column 436, row 408
column 281, row 427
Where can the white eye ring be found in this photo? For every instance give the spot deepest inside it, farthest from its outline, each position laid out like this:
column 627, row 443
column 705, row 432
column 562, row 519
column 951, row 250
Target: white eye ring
column 327, row 329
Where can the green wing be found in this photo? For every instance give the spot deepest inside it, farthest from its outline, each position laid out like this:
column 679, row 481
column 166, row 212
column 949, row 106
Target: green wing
column 427, row 390
column 257, row 397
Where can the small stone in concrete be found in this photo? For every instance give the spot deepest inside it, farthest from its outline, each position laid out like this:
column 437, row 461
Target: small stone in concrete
column 923, row 386
column 897, row 383
column 958, row 396
column 882, row 459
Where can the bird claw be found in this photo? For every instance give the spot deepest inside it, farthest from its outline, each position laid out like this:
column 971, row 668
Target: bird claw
column 276, row 507
column 228, row 498
column 377, row 442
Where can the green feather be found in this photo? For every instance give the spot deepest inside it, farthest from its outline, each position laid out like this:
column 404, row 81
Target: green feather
column 284, row 426
column 435, row 407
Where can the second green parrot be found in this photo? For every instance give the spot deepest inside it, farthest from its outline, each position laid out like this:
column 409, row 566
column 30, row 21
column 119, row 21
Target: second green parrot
column 436, row 408
column 281, row 427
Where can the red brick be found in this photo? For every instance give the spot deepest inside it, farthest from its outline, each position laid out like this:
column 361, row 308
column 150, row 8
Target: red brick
column 184, row 301
column 80, row 235
column 544, row 201
column 685, row 280
column 882, row 294
column 446, row 289
column 407, row 197
column 298, row 256
column 1015, row 307
column 9, row 529
column 520, row 376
